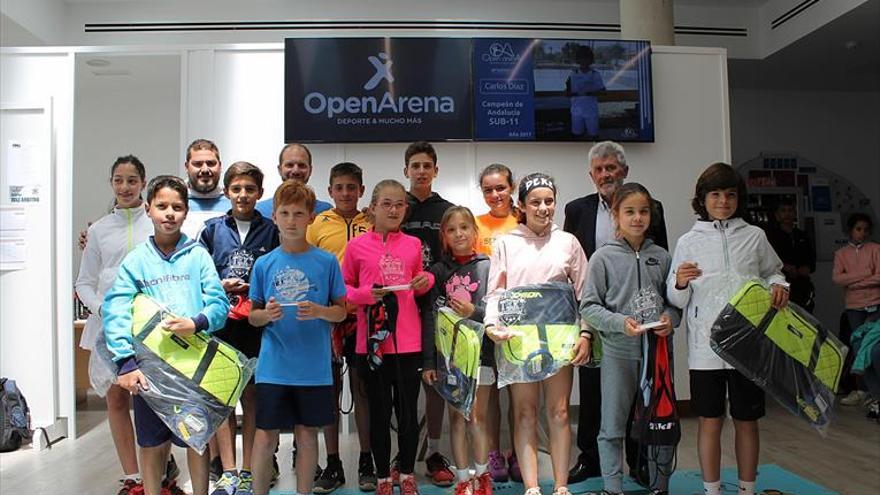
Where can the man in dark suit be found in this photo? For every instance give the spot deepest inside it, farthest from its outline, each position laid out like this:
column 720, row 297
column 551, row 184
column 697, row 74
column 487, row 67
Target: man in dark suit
column 589, row 219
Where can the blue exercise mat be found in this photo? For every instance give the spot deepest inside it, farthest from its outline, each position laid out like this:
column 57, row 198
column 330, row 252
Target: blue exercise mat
column 684, row 482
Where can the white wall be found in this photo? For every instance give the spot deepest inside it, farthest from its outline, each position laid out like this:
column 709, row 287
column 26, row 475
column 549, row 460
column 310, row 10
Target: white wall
column 835, row 130
column 36, row 331
column 242, row 112
column 135, row 114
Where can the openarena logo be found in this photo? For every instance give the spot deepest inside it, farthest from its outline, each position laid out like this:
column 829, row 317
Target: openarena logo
column 317, row 103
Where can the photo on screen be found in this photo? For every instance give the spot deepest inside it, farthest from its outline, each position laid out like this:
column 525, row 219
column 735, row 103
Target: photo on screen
column 592, row 90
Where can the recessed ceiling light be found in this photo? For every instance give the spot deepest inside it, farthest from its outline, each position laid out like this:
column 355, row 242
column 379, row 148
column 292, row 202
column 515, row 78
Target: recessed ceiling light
column 97, row 62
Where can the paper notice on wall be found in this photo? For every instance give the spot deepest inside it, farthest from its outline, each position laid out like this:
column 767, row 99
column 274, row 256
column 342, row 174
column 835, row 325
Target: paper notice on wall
column 13, row 220
column 22, row 172
column 13, row 253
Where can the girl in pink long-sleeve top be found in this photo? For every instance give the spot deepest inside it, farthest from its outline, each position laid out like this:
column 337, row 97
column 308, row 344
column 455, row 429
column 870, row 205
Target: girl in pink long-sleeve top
column 385, row 257
column 857, row 270
column 538, row 251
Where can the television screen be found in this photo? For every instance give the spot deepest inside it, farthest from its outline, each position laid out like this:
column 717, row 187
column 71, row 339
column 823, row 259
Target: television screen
column 377, row 89
column 562, row 90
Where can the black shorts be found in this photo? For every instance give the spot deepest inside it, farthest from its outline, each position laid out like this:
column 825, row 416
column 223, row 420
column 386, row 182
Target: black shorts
column 241, row 335
column 151, row 431
column 281, row 407
column 709, row 388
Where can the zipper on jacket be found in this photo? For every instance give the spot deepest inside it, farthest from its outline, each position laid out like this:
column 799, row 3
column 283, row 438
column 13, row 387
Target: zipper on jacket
column 639, row 270
column 722, row 229
column 130, row 230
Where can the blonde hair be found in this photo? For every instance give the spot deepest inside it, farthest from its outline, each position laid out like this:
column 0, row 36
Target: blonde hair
column 447, row 218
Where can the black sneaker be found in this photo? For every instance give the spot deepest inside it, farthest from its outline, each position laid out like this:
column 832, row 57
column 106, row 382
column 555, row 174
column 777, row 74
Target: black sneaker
column 331, row 478
column 216, row 469
column 366, row 473
column 171, row 469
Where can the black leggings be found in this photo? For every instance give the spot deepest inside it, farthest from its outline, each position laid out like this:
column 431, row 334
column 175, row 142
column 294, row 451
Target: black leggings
column 396, row 383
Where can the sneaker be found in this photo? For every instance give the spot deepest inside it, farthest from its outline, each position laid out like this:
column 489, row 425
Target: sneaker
column 658, row 492
column 245, row 483
column 215, row 470
column 171, row 488
column 438, row 470
column 385, row 488
column 331, row 478
column 464, row 487
column 562, row 490
column 535, row 490
column 855, row 398
column 873, row 410
column 226, row 485
column 395, row 471
column 408, row 486
column 483, row 484
column 171, row 469
column 497, row 467
column 513, row 468
column 366, row 473
column 131, row 487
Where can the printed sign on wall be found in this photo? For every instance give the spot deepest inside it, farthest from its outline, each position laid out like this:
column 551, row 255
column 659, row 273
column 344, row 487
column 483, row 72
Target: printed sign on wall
column 377, row 89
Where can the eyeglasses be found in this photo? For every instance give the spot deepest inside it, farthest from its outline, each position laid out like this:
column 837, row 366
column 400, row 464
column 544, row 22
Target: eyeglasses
column 387, row 206
column 202, row 163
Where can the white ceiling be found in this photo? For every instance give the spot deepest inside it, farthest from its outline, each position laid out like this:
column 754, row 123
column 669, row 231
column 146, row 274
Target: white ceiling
column 843, row 55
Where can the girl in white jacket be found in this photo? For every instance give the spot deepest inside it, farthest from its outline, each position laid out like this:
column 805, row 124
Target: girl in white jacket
column 108, row 241
column 718, row 252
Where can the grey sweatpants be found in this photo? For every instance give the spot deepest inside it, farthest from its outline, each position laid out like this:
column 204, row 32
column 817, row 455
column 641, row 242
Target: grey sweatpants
column 620, row 380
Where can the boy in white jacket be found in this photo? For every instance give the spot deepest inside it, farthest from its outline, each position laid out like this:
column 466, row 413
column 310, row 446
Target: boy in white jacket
column 710, row 260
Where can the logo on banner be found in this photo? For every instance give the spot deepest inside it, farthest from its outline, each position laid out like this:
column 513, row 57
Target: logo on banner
column 383, row 70
column 500, row 53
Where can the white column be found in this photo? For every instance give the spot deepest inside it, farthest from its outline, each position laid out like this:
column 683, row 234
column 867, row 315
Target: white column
column 650, row 20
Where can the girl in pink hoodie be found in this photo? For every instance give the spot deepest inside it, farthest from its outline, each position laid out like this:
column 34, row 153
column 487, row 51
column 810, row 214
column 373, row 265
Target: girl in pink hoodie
column 538, row 251
column 384, row 266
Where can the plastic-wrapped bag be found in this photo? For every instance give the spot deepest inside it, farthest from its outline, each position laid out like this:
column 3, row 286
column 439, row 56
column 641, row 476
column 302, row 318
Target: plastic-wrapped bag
column 546, row 320
column 787, row 352
column 194, row 381
column 459, row 342
column 102, row 369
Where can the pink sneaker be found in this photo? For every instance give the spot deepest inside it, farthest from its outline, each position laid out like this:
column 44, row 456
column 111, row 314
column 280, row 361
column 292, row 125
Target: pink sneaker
column 497, row 466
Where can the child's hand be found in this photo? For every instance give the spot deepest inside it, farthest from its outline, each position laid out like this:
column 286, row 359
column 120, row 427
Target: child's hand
column 429, row 376
column 130, row 382
column 582, row 351
column 378, row 293
column 235, row 285
column 274, row 311
column 686, row 272
column 181, row 326
column 307, row 310
column 666, row 327
column 632, row 328
column 499, row 334
column 420, row 282
column 779, row 294
column 465, row 309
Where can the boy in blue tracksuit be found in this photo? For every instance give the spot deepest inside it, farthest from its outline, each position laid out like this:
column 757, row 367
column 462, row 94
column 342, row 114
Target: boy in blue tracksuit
column 178, row 273
column 235, row 241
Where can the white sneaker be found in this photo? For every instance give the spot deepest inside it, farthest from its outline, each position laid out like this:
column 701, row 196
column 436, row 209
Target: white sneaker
column 855, row 398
